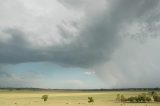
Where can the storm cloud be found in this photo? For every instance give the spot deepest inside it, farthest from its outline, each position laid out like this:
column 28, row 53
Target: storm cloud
column 103, row 36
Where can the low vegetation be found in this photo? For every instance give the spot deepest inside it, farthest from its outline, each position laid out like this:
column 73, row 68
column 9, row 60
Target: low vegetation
column 155, row 96
column 44, row 97
column 141, row 98
column 90, row 100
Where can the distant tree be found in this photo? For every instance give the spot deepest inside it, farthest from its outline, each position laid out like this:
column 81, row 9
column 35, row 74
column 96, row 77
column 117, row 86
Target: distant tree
column 44, row 97
column 90, row 100
column 118, row 98
column 123, row 99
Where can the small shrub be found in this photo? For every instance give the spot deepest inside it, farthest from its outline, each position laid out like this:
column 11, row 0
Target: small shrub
column 90, row 99
column 123, row 99
column 44, row 97
column 132, row 99
column 156, row 98
column 148, row 99
column 142, row 98
column 118, row 98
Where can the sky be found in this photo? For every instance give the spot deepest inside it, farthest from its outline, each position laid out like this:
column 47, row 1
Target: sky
column 80, row 44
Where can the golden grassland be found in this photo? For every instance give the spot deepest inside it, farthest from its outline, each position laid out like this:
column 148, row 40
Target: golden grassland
column 66, row 98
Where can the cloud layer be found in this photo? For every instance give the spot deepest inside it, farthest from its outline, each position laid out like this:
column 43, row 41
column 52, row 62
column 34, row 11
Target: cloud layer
column 85, row 36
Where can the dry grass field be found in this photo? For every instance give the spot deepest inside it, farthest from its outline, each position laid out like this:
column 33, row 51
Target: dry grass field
column 63, row 98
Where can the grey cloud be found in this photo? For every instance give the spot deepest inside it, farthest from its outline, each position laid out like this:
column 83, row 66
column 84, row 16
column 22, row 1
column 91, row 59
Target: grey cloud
column 4, row 74
column 97, row 40
column 101, row 38
column 73, row 3
column 17, row 49
column 133, row 65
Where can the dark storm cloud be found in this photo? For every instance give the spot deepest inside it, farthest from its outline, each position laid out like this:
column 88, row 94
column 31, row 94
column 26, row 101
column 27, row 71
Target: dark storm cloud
column 96, row 41
column 101, row 40
column 17, row 49
column 99, row 37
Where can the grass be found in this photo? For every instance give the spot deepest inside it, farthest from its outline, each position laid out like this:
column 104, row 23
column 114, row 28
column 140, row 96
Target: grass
column 63, row 98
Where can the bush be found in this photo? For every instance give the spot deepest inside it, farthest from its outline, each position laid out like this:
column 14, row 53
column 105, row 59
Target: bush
column 132, row 99
column 118, row 98
column 156, row 98
column 148, row 99
column 44, row 97
column 90, row 99
column 140, row 98
column 123, row 99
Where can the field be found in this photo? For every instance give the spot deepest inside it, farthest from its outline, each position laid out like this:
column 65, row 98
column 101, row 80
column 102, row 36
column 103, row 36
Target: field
column 66, row 98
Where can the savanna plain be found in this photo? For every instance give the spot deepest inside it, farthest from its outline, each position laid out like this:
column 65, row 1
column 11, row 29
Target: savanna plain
column 67, row 98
